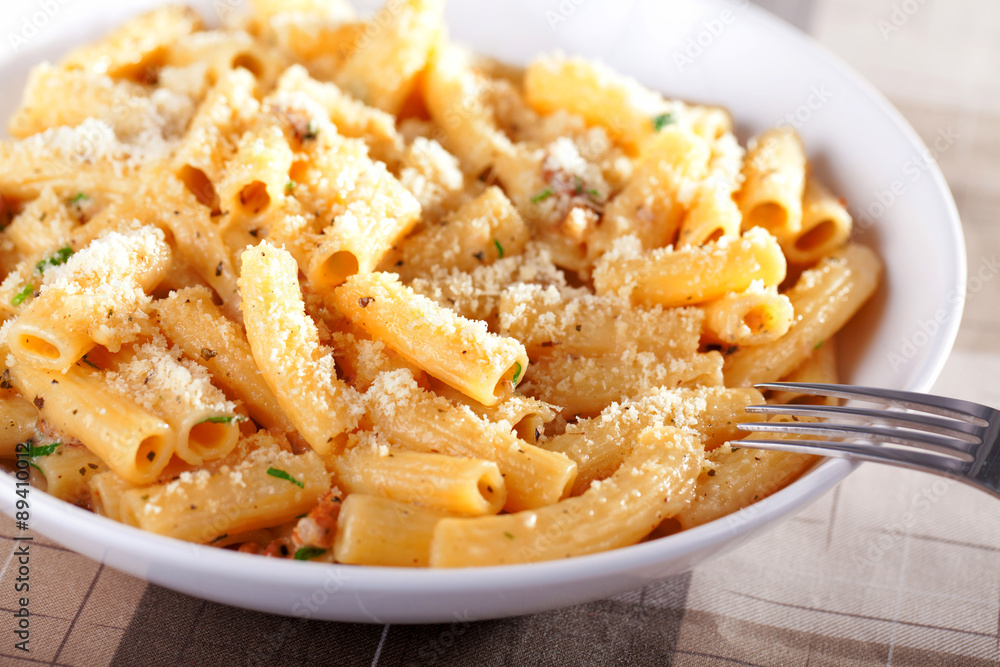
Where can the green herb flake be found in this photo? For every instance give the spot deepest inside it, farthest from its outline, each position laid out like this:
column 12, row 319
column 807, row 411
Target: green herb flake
column 312, row 131
column 36, row 467
column 593, row 193
column 308, row 553
column 35, row 452
column 221, row 419
column 79, row 198
column 281, row 474
column 61, row 256
column 90, row 363
column 20, row 297
column 662, row 120
column 57, row 259
column 542, row 196
column 508, row 535
column 518, row 369
column 289, row 188
column 498, row 247
column 818, row 345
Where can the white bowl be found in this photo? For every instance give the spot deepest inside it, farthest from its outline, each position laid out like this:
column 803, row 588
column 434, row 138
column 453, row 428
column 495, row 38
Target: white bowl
column 741, row 58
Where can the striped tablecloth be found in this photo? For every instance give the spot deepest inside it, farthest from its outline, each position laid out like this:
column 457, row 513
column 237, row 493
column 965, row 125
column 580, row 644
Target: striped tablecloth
column 892, row 567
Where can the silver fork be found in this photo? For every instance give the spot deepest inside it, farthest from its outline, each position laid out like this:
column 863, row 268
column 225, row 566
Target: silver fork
column 958, row 439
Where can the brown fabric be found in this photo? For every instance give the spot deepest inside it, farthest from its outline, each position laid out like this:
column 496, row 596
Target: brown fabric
column 894, row 567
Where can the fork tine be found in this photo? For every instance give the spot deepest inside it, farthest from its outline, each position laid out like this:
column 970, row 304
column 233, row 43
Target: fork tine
column 928, row 441
column 938, row 405
column 940, row 425
column 925, row 461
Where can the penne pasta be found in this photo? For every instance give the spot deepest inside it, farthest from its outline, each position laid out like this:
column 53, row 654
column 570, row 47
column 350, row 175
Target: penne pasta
column 18, row 418
column 96, row 296
column 267, row 489
column 198, row 327
column 417, row 420
column 460, row 486
column 480, row 232
column 690, row 276
column 739, row 477
column 459, row 352
column 583, row 385
column 379, row 531
column 600, row 519
column 286, row 347
column 599, row 445
column 134, row 443
column 826, row 226
column 68, row 470
column 752, row 317
column 774, row 179
column 383, row 70
column 824, row 298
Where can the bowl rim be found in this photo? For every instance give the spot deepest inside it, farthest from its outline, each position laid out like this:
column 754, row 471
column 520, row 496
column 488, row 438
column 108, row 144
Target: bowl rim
column 82, row 526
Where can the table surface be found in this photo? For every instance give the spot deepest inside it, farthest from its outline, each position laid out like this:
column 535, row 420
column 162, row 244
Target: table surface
column 892, row 567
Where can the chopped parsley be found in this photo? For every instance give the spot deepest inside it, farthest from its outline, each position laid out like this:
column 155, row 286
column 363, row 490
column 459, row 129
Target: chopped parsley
column 58, row 258
column 498, row 247
column 517, row 372
column 593, row 193
column 221, row 419
column 662, row 120
column 542, row 196
column 20, row 297
column 90, row 363
column 281, row 474
column 308, row 553
column 508, row 535
column 80, row 197
column 819, row 345
column 311, row 131
column 289, row 188
column 45, row 450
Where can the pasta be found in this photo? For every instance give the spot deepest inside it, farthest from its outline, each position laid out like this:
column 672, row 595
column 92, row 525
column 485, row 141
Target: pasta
column 328, row 288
